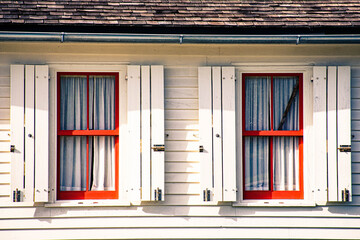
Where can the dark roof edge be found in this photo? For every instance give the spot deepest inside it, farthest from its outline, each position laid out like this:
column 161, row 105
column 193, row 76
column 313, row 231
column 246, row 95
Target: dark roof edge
column 180, row 30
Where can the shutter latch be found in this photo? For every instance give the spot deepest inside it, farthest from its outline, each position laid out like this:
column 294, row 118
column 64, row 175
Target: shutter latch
column 158, row 147
column 345, row 195
column 158, row 194
column 207, row 194
column 345, row 148
column 17, row 195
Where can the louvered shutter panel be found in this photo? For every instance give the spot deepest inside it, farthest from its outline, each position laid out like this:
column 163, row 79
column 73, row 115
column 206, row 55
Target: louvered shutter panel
column 332, row 124
column 30, row 132
column 146, row 133
column 217, row 133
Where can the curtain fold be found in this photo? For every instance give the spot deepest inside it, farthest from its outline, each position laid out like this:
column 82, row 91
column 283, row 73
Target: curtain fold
column 257, row 103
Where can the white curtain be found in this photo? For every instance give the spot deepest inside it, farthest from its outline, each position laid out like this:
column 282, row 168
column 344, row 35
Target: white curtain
column 257, row 149
column 73, row 163
column 283, row 88
column 257, row 163
column 257, row 103
column 286, row 163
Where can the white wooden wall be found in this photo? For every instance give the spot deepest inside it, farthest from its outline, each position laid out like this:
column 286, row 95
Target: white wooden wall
column 181, row 215
column 4, row 133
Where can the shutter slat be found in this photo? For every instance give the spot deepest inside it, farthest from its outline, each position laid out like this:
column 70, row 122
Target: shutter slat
column 133, row 177
column 344, row 130
column 228, row 132
column 41, row 133
column 331, row 128
column 157, row 130
column 17, row 126
column 319, row 121
column 205, row 129
column 145, row 134
column 29, row 129
column 217, row 134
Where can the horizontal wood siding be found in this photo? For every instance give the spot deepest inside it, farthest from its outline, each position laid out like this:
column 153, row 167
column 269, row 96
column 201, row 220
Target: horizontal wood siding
column 182, row 168
column 355, row 132
column 182, row 215
column 4, row 133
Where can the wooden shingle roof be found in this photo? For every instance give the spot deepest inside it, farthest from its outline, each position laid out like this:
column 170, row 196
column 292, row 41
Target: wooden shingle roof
column 170, row 14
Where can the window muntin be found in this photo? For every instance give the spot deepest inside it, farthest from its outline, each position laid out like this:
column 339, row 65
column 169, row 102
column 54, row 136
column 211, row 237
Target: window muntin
column 88, row 135
column 272, row 133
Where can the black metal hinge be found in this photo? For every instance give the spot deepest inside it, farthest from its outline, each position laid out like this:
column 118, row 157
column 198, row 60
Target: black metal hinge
column 17, row 196
column 158, row 194
column 345, row 195
column 206, row 195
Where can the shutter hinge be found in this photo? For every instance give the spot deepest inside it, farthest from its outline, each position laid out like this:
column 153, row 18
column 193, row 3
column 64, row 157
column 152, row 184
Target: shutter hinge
column 158, row 194
column 345, row 148
column 158, row 147
column 126, row 77
column 17, row 196
column 206, row 195
column 312, row 79
column 201, row 148
column 345, row 195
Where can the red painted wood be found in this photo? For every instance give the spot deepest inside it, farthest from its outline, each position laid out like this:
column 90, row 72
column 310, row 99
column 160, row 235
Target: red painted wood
column 271, row 194
column 81, row 195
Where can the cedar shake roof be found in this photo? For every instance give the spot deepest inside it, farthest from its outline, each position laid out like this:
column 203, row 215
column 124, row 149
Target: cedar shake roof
column 228, row 15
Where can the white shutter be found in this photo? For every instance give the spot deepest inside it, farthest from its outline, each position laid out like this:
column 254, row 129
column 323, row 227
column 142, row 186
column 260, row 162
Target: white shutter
column 332, row 131
column 30, row 131
column 217, row 105
column 146, row 133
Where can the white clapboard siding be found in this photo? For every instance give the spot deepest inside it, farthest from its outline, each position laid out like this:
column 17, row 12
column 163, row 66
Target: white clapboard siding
column 182, row 167
column 319, row 122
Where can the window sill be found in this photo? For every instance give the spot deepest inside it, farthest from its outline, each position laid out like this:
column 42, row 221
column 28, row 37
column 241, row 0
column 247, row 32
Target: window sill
column 88, row 203
column 274, row 203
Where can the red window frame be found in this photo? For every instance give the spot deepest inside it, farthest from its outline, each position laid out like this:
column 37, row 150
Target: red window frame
column 271, row 193
column 78, row 195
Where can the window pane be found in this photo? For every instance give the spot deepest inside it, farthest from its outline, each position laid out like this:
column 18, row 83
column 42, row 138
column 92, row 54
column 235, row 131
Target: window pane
column 286, row 163
column 257, row 103
column 102, row 163
column 73, row 103
column 257, row 163
column 286, row 103
column 72, row 163
column 102, row 102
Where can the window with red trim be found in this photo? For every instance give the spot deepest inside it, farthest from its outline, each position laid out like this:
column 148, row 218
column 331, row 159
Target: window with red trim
column 272, row 136
column 87, row 135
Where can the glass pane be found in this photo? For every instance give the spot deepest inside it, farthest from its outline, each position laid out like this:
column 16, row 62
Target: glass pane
column 286, row 163
column 73, row 103
column 102, row 163
column 102, row 102
column 256, row 163
column 286, row 103
column 72, row 163
column 257, row 103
